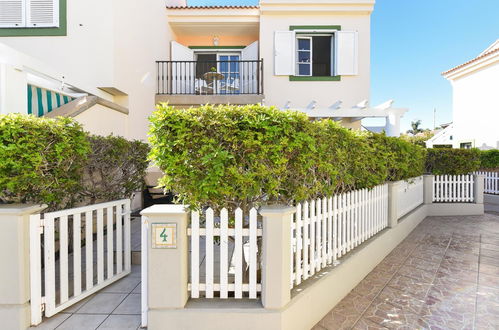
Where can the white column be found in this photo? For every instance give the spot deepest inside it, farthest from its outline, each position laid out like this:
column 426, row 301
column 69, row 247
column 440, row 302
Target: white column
column 428, row 188
column 276, row 272
column 392, row 127
column 15, row 270
column 479, row 187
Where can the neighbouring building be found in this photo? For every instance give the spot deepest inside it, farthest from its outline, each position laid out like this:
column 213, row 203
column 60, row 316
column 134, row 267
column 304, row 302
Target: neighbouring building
column 122, row 59
column 475, row 102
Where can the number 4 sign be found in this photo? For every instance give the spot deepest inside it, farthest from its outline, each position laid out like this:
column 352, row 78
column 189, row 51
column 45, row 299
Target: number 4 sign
column 164, row 235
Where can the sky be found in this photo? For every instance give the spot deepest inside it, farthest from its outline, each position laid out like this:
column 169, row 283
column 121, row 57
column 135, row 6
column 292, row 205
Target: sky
column 412, row 42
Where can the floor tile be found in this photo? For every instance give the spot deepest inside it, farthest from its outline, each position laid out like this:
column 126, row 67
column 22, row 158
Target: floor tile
column 118, row 322
column 52, row 322
column 125, row 285
column 131, row 305
column 389, row 316
column 416, row 273
column 489, row 253
column 489, row 269
column 401, row 299
column 364, row 324
column 421, row 264
column 489, row 261
column 82, row 322
column 334, row 321
column 102, row 303
column 74, row 308
column 409, row 286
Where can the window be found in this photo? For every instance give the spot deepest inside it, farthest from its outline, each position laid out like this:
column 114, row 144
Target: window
column 466, row 145
column 29, row 13
column 314, row 56
column 320, row 53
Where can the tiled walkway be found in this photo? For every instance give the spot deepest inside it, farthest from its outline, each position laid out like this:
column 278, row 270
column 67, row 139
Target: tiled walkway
column 115, row 307
column 445, row 275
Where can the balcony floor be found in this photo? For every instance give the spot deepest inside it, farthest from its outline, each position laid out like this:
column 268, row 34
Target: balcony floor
column 444, row 275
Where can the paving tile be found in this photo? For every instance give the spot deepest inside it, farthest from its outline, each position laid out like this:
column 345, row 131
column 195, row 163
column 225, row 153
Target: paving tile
column 401, row 299
column 131, row 305
column 102, row 303
column 372, row 284
column 364, row 324
column 135, row 271
column 389, row 316
column 458, row 274
column 488, row 269
column 409, row 286
column 489, row 261
column 416, row 273
column 125, row 285
column 421, row 264
column 352, row 304
column 82, row 322
column 118, row 322
column 488, row 280
column 52, row 322
column 334, row 321
column 74, row 308
column 138, row 288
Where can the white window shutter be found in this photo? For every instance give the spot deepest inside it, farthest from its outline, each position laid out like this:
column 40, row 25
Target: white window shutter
column 284, row 53
column 12, row 13
column 347, row 57
column 180, row 52
column 42, row 13
column 183, row 74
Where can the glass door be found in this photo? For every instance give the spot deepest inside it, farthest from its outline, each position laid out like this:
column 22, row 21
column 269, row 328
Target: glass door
column 229, row 68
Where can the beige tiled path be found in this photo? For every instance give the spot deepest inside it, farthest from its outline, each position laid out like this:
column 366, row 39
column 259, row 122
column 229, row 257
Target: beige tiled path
column 445, row 275
column 116, row 307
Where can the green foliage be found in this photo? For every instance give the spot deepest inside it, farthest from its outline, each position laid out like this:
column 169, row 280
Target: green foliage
column 248, row 155
column 418, row 139
column 54, row 162
column 452, row 161
column 489, row 159
column 115, row 169
column 41, row 160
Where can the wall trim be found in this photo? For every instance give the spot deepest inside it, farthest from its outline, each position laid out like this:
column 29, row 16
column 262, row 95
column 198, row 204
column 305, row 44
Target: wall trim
column 41, row 31
column 314, row 78
column 314, row 27
column 217, row 47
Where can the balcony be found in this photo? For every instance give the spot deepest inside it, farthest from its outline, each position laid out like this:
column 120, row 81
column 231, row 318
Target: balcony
column 215, row 82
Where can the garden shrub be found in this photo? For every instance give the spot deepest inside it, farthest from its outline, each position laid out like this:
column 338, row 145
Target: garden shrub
column 452, row 161
column 41, row 160
column 249, row 155
column 489, row 160
column 54, row 162
column 115, row 169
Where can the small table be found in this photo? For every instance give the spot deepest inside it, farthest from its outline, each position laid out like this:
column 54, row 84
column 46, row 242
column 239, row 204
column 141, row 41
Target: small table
column 211, row 78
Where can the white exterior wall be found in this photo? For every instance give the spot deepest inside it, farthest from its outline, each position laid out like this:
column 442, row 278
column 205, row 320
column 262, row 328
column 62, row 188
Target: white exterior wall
column 100, row 120
column 112, row 43
column 476, row 108
column 279, row 89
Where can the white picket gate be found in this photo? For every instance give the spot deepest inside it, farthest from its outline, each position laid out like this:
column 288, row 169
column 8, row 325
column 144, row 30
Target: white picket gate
column 324, row 230
column 453, row 188
column 229, row 252
column 58, row 284
column 491, row 182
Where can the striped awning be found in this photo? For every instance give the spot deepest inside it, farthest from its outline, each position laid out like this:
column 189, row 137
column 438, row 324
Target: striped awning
column 42, row 101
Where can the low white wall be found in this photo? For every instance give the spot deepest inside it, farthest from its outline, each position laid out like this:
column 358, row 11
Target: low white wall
column 409, row 195
column 491, row 203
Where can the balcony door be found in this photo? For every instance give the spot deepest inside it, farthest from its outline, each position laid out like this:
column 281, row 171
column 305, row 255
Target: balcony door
column 228, row 67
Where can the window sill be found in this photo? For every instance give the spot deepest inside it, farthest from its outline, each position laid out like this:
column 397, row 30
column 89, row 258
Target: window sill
column 312, row 78
column 33, row 32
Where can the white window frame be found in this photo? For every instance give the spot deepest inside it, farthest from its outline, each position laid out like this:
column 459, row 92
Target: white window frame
column 27, row 23
column 298, row 50
column 310, row 36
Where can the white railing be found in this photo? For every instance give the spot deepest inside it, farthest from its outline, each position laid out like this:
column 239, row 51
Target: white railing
column 324, row 230
column 491, row 182
column 224, row 254
column 410, row 194
column 453, row 188
column 58, row 283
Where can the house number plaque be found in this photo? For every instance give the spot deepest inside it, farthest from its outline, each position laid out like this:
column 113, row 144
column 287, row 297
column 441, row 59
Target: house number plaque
column 164, row 235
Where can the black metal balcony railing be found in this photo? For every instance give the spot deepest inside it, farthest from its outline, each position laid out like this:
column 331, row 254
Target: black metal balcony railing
column 210, row 77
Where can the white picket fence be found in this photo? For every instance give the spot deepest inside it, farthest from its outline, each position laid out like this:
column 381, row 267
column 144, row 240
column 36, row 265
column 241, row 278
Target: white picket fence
column 58, row 283
column 229, row 254
column 491, row 182
column 324, row 230
column 453, row 188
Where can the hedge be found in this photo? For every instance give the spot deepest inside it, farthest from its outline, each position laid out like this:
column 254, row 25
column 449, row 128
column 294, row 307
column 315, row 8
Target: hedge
column 489, row 160
column 452, row 161
column 41, row 160
column 239, row 156
column 54, row 162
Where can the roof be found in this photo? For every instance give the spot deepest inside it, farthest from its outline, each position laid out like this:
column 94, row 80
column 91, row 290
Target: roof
column 493, row 49
column 212, row 7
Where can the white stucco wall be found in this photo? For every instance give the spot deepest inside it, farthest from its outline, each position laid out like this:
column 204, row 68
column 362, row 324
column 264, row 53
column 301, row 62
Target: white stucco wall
column 351, row 89
column 476, row 108
column 112, row 43
column 100, row 120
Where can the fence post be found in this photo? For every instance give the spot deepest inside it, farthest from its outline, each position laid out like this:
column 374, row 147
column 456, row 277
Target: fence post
column 428, row 188
column 15, row 256
column 276, row 256
column 393, row 188
column 167, row 264
column 478, row 188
